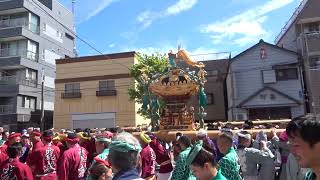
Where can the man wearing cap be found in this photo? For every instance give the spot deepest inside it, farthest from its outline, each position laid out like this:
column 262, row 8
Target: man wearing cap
column 102, row 147
column 162, row 158
column 73, row 163
column 12, row 168
column 250, row 158
column 35, row 138
column 123, row 156
column 13, row 138
column 148, row 158
column 43, row 161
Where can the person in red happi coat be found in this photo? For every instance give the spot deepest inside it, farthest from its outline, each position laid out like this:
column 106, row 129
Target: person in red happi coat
column 13, row 138
column 73, row 163
column 60, row 142
column 43, row 161
column 12, row 168
column 148, row 158
column 162, row 158
column 35, row 138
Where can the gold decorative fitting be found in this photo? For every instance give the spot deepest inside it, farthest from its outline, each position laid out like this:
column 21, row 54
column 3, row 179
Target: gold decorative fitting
column 175, row 83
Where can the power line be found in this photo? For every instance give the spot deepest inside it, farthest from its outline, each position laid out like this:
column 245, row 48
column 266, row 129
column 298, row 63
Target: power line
column 227, row 73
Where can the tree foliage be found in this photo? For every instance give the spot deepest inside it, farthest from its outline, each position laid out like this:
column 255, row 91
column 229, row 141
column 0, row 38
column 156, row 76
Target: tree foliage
column 150, row 65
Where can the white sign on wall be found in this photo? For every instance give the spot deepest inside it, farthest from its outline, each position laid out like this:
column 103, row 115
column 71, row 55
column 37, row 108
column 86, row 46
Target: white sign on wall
column 269, row 76
column 48, row 105
column 53, row 33
column 50, row 57
column 49, row 82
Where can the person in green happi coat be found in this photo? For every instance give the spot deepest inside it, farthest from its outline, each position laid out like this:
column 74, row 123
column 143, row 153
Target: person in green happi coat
column 229, row 163
column 203, row 164
column 182, row 170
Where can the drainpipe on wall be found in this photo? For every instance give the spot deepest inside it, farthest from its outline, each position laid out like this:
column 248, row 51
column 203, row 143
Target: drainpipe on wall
column 233, row 99
column 302, row 86
column 307, row 68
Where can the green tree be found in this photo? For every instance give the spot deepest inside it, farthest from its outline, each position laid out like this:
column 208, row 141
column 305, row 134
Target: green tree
column 144, row 72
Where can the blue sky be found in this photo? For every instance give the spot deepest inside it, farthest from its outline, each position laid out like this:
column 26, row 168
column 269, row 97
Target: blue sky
column 199, row 26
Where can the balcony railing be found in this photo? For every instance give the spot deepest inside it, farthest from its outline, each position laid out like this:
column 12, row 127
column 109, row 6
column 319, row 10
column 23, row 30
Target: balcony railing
column 12, row 52
column 4, row 80
column 6, row 109
column 70, row 95
column 315, row 34
column 106, row 92
column 19, row 22
column 9, row 80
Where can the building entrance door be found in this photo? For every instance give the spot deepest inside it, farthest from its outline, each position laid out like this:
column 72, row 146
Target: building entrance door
column 94, row 120
column 270, row 113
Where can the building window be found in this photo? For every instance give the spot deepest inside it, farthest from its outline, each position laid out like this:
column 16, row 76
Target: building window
column 210, row 99
column 30, row 78
column 313, row 27
column 106, row 85
column 34, row 23
column 13, row 48
column 32, row 50
column 28, row 102
column 31, row 75
column 315, row 62
column 286, row 74
column 72, row 88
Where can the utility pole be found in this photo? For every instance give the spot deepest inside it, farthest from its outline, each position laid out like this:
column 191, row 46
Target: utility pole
column 42, row 101
column 74, row 26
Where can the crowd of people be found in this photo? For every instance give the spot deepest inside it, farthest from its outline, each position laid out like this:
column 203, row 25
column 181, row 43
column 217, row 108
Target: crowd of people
column 114, row 154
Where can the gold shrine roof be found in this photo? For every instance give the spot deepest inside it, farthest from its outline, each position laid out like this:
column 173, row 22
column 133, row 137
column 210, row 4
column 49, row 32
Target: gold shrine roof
column 176, row 82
